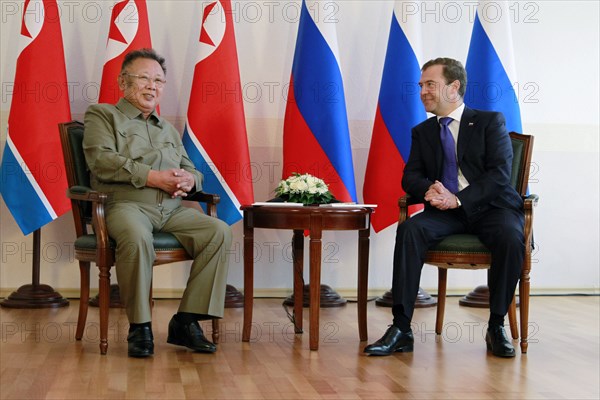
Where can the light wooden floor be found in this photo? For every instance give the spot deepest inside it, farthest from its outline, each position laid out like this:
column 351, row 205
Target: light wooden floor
column 41, row 360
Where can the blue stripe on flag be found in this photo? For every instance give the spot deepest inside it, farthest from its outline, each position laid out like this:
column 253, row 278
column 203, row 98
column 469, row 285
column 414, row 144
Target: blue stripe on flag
column 319, row 92
column 226, row 209
column 19, row 195
column 489, row 87
column 399, row 96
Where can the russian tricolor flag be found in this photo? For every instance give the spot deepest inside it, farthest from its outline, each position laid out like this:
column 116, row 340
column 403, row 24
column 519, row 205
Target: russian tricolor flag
column 129, row 30
column 490, row 65
column 398, row 110
column 33, row 179
column 316, row 138
column 215, row 134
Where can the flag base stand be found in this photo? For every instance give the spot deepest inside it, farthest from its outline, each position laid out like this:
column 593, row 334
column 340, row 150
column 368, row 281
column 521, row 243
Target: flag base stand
column 115, row 298
column 478, row 298
column 233, row 298
column 35, row 295
column 424, row 300
column 328, row 298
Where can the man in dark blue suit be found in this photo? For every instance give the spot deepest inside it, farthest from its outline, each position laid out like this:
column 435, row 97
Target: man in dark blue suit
column 460, row 167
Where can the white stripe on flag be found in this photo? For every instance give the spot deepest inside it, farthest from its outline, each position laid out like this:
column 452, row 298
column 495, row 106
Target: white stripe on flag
column 412, row 27
column 212, row 165
column 495, row 18
column 30, row 178
column 325, row 16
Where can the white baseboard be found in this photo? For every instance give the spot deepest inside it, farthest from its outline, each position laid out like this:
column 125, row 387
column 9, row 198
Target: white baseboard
column 167, row 293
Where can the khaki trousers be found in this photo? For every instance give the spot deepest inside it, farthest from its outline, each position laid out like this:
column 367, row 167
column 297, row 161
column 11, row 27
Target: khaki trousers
column 207, row 239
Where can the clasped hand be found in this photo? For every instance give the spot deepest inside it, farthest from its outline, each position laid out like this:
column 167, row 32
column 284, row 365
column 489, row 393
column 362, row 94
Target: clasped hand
column 441, row 198
column 176, row 182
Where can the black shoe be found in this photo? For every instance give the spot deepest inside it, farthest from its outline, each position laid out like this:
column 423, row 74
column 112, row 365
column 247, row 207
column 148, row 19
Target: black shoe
column 189, row 335
column 498, row 343
column 140, row 342
column 394, row 340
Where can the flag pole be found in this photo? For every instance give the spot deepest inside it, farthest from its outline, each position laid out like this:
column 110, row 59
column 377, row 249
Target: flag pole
column 35, row 295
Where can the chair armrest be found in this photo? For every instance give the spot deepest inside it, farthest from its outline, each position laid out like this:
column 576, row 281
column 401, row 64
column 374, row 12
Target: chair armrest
column 403, row 204
column 84, row 193
column 210, row 199
column 202, row 197
column 408, row 200
column 403, row 201
column 98, row 199
column 530, row 201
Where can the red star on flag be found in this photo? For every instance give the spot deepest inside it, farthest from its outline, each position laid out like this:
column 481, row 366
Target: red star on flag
column 204, row 36
column 115, row 33
column 24, row 30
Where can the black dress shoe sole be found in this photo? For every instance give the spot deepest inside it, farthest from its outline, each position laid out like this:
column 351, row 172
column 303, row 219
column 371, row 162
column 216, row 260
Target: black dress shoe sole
column 140, row 354
column 403, row 349
column 499, row 354
column 178, row 342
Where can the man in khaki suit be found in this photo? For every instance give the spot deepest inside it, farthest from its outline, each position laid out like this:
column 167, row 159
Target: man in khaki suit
column 138, row 158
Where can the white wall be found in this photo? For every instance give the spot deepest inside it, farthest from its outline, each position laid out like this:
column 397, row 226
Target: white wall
column 557, row 60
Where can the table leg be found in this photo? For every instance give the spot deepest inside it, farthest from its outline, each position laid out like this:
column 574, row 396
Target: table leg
column 248, row 280
column 315, row 280
column 363, row 278
column 298, row 256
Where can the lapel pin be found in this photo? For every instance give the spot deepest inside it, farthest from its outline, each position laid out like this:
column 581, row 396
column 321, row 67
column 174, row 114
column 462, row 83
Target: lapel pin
column 471, row 123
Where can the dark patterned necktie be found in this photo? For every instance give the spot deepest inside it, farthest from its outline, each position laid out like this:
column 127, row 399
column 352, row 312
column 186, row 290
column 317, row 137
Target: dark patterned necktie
column 450, row 171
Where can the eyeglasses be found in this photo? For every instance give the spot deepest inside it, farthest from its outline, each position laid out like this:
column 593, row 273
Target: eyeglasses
column 145, row 79
column 429, row 85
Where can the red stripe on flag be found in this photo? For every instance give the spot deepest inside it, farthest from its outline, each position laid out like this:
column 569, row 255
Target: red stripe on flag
column 383, row 177
column 39, row 103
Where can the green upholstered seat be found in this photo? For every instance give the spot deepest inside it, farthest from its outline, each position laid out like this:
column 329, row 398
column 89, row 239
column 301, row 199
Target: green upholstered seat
column 462, row 243
column 162, row 242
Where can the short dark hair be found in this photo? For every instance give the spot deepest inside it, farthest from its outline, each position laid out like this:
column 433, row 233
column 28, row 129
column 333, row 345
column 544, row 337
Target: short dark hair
column 143, row 53
column 453, row 71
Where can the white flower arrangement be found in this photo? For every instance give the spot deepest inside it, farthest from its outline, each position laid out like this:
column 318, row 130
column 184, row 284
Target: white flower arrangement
column 305, row 189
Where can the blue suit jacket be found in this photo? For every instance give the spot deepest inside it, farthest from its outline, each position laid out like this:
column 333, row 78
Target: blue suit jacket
column 484, row 153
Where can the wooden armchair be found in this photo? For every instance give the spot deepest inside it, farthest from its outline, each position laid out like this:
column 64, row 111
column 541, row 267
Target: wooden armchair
column 466, row 251
column 95, row 245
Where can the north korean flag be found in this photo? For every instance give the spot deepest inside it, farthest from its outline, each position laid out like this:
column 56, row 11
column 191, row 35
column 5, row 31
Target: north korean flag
column 215, row 135
column 33, row 177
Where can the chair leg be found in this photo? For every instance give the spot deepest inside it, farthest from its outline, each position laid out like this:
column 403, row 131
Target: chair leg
column 84, row 297
column 441, row 302
column 104, row 300
column 524, row 287
column 512, row 319
column 215, row 330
